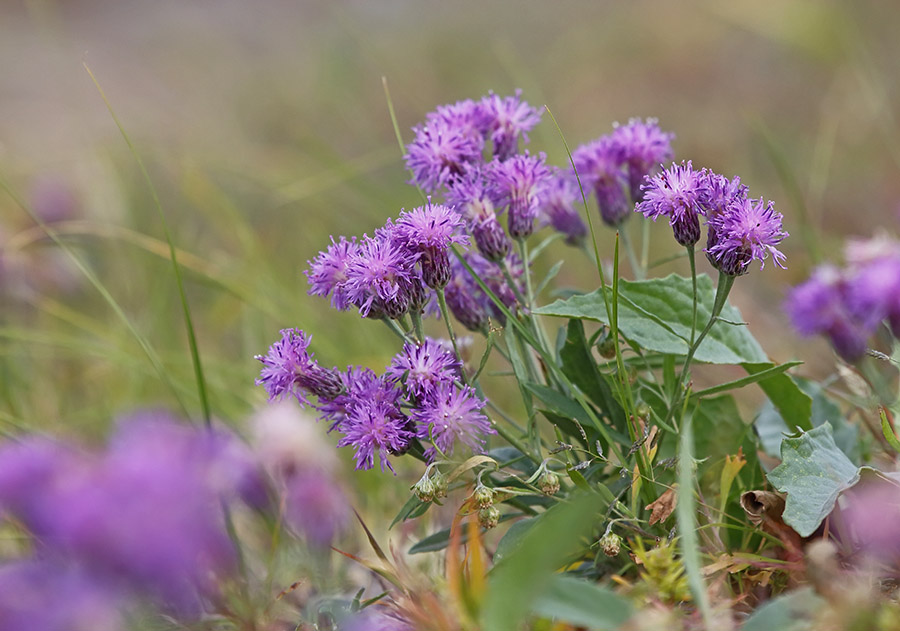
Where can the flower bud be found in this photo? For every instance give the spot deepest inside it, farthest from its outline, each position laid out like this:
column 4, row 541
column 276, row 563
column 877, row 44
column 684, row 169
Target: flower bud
column 610, row 543
column 439, row 480
column 548, row 483
column 489, row 517
column 424, row 489
column 606, row 345
column 483, row 496
column 642, row 410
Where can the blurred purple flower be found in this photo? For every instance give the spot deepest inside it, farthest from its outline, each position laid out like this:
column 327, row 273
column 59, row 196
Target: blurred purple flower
column 675, row 194
column 558, row 198
column 422, row 368
column 505, row 119
column 599, row 165
column 53, row 199
column 641, row 146
column 315, row 505
column 518, row 181
column 289, row 369
column 874, row 292
column 327, row 274
column 872, row 513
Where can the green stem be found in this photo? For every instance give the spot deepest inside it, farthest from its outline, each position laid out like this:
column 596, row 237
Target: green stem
column 645, row 244
column 636, row 268
column 693, row 261
column 416, row 317
column 395, row 328
column 445, row 312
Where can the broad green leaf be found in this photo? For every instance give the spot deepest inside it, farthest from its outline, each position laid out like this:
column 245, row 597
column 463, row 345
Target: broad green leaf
column 719, row 432
column 813, row 473
column 563, row 407
column 794, row 405
column 524, row 574
column 513, row 538
column 579, row 366
column 792, row 612
column 582, row 603
column 656, row 314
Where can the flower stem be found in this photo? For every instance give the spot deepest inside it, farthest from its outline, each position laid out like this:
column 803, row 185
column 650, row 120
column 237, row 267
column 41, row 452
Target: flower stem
column 636, row 268
column 416, row 317
column 693, row 261
column 442, row 302
column 395, row 328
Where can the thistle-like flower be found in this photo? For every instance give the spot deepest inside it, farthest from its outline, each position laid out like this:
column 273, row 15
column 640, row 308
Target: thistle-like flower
column 327, row 274
column 449, row 415
column 557, row 201
column 371, row 428
column 748, row 229
column 381, row 275
column 599, row 165
column 289, row 369
column 504, row 120
column 440, row 152
column 675, row 194
column 430, row 230
column 517, row 182
column 422, row 368
column 641, row 146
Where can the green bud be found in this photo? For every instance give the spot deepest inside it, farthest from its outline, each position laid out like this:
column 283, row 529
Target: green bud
column 548, row 483
column 642, row 410
column 440, row 484
column 489, row 517
column 606, row 345
column 424, row 489
column 484, row 497
column 610, row 543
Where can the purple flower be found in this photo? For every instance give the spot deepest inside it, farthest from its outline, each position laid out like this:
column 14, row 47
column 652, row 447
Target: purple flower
column 472, row 196
column 360, row 385
column 39, row 595
column 430, row 230
column 440, row 153
column 747, row 230
column 875, row 286
column 599, row 165
column 372, row 427
column 327, row 274
column 462, row 115
column 491, row 239
column 289, row 369
column 463, row 299
column 380, row 276
column 641, row 146
column 518, row 181
column 675, row 194
column 821, row 305
column 717, row 194
column 315, row 505
column 558, row 198
column 422, row 368
column 505, row 119
column 449, row 415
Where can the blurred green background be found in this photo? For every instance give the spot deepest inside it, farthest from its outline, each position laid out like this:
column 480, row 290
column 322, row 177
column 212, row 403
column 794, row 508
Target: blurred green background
column 265, row 129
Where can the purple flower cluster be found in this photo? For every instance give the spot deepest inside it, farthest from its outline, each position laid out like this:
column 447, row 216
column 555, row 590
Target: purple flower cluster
column 418, row 396
column 141, row 521
column 739, row 229
column 614, row 166
column 848, row 304
column 393, row 272
column 470, row 304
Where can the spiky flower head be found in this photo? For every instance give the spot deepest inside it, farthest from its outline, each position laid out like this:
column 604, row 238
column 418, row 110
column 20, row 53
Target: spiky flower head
column 472, row 196
column 675, row 194
column 821, row 305
column 440, row 152
column 518, row 181
column 327, row 274
column 641, row 146
column 380, row 276
column 717, row 194
column 599, row 165
column 505, row 119
column 557, row 199
column 290, row 370
column 374, row 427
column 748, row 229
column 430, row 230
column 875, row 287
column 423, row 367
column 463, row 115
column 450, row 415
column 491, row 239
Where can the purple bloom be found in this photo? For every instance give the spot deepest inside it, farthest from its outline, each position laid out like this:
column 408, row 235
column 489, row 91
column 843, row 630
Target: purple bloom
column 327, row 274
column 289, row 369
column 472, row 196
column 599, row 166
column 875, row 286
column 380, row 277
column 315, row 505
column 491, row 239
column 641, row 146
column 449, row 415
column 558, row 198
column 821, row 305
column 440, row 153
column 462, row 115
column 518, row 181
column 747, row 230
column 717, row 194
column 505, row 119
column 462, row 294
column 372, row 427
column 422, row 368
column 43, row 596
column 675, row 194
column 430, row 230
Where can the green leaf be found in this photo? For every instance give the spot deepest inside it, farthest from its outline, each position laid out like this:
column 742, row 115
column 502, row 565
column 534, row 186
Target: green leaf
column 517, row 581
column 813, row 473
column 765, row 371
column 582, row 604
column 579, row 366
column 656, row 314
column 563, row 407
column 888, row 432
column 513, row 538
column 719, row 431
column 794, row 405
column 792, row 612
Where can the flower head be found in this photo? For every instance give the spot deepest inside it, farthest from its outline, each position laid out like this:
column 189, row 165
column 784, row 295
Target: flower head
column 289, row 369
column 599, row 165
column 449, row 415
column 380, row 276
column 518, row 181
column 641, row 146
column 747, row 230
column 429, row 230
column 327, row 274
column 505, row 119
column 441, row 150
column 374, row 427
column 423, row 367
column 675, row 194
column 557, row 199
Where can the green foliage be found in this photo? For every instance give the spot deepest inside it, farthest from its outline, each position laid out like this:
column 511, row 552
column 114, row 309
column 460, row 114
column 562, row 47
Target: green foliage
column 581, row 603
